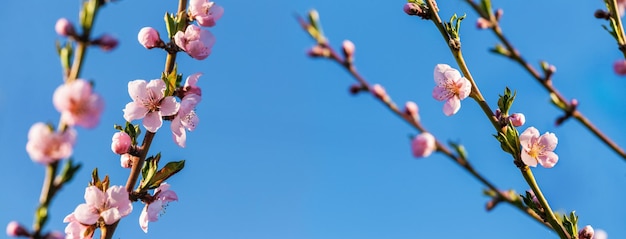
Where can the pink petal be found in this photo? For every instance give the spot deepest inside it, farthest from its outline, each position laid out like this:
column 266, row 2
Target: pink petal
column 190, row 120
column 143, row 219
column 179, row 39
column 197, row 50
column 156, row 89
column 169, row 106
column 111, row 216
column 118, row 198
column 134, row 110
column 452, row 106
column 548, row 159
column 526, row 138
column 439, row 73
column 441, row 93
column 548, row 141
column 86, row 214
column 178, row 132
column 530, row 161
column 94, row 197
column 154, row 209
column 452, row 75
column 217, row 12
column 153, row 121
column 137, row 90
column 465, row 88
column 192, row 80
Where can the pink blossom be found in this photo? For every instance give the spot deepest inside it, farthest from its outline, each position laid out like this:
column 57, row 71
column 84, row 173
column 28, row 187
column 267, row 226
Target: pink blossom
column 517, row 119
column 348, row 48
column 600, row 234
column 120, row 142
column 423, row 145
column 621, row 5
column 106, row 42
column 78, row 104
column 111, row 205
column 205, row 12
column 482, row 23
column 162, row 196
column 185, row 119
column 191, row 85
column 64, row 27
column 537, row 148
column 379, row 92
column 619, row 67
column 195, row 41
column 126, row 161
column 75, row 229
column 148, row 37
column 149, row 103
column 451, row 87
column 46, row 146
column 14, row 229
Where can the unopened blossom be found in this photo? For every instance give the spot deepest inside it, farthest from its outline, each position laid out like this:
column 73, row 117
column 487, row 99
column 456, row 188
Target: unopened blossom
column 619, row 67
column 120, row 143
column 538, row 149
column 195, row 41
column 451, row 87
column 162, row 196
column 411, row 109
column 348, row 49
column 78, row 104
column 206, row 13
column 185, row 119
column 149, row 103
column 106, row 42
column 126, row 161
column 412, row 9
column 482, row 23
column 379, row 92
column 14, row 229
column 191, row 85
column 621, row 6
column 75, row 229
column 109, row 206
column 600, row 234
column 149, row 38
column 47, row 146
column 64, row 27
column 423, row 145
column 517, row 119
column 586, row 232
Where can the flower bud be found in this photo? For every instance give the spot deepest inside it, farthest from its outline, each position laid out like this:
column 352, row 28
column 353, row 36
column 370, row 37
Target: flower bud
column 318, row 51
column 482, row 23
column 64, row 27
column 620, row 67
column 348, row 50
column 149, row 38
column 586, row 232
column 517, row 119
column 423, row 145
column 411, row 109
column 14, row 229
column 120, row 143
column 498, row 14
column 380, row 93
column 126, row 161
column 106, row 42
column 412, row 9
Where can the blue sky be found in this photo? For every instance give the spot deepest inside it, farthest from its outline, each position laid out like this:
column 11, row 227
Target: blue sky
column 282, row 149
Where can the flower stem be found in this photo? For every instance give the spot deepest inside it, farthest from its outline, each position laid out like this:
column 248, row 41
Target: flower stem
column 47, row 193
column 558, row 228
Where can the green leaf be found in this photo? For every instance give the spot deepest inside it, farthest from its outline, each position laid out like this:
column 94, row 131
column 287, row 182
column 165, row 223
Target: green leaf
column 171, row 25
column 95, row 179
column 166, row 172
column 68, row 171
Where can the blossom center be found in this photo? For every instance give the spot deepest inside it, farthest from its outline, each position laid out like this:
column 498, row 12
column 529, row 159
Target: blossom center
column 535, row 150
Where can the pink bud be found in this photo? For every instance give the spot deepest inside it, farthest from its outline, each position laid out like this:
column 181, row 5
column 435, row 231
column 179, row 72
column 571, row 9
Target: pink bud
column 482, row 23
column 423, row 145
column 64, row 27
column 410, row 109
column 14, row 229
column 380, row 93
column 586, row 232
column 620, row 67
column 517, row 119
column 318, row 51
column 126, row 161
column 120, row 143
column 149, row 37
column 348, row 48
column 412, row 9
column 106, row 42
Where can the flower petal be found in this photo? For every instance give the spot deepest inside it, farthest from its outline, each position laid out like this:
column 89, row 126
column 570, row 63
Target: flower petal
column 530, row 161
column 86, row 214
column 94, row 197
column 548, row 159
column 134, row 110
column 156, row 88
column 111, row 216
column 439, row 73
column 118, row 198
column 137, row 90
column 464, row 88
column 451, row 106
column 548, row 141
column 441, row 93
column 169, row 106
column 178, row 132
column 526, row 138
column 143, row 219
column 153, row 121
